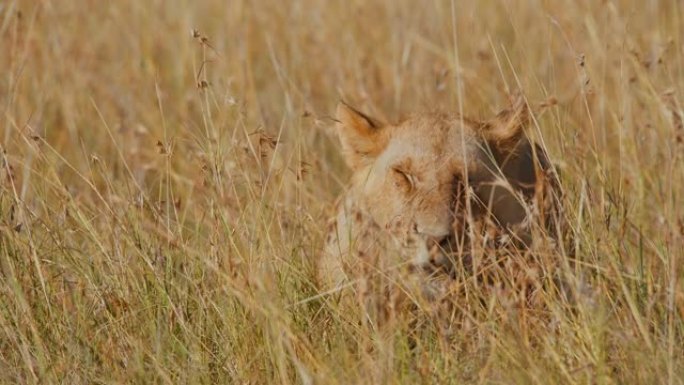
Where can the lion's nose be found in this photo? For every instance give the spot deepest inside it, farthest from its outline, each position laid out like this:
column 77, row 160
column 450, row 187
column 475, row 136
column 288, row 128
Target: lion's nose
column 435, row 231
column 437, row 243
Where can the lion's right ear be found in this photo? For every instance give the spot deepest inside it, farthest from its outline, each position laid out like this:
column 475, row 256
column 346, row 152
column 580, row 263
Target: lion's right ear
column 505, row 130
column 362, row 137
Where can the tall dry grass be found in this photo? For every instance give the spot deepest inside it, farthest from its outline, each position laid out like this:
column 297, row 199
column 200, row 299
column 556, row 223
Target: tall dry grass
column 163, row 192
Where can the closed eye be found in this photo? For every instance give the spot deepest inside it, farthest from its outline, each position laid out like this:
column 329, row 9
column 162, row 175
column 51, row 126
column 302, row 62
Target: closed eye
column 405, row 178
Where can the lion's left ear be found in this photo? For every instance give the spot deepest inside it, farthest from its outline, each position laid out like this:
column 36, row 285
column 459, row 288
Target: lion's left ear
column 505, row 130
column 362, row 137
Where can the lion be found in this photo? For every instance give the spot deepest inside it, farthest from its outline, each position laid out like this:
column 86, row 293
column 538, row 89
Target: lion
column 423, row 188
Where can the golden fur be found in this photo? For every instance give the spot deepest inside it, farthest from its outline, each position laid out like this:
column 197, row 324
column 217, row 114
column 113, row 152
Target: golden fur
column 419, row 187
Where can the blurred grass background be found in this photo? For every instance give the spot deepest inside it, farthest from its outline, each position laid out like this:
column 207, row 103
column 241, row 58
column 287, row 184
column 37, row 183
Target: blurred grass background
column 167, row 168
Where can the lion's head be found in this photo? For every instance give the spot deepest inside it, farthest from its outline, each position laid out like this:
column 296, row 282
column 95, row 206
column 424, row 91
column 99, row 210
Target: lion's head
column 420, row 178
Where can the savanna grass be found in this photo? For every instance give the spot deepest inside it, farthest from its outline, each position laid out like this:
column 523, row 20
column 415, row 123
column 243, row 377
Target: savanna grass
column 167, row 167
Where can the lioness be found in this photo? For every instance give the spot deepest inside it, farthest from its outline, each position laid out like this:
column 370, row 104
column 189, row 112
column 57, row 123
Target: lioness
column 422, row 188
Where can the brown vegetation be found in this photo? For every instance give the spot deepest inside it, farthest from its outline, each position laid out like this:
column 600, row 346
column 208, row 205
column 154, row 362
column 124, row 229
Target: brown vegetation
column 166, row 168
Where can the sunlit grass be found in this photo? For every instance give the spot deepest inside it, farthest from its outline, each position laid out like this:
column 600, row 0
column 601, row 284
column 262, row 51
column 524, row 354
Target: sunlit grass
column 164, row 192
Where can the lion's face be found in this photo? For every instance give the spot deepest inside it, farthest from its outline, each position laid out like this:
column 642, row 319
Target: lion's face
column 411, row 187
column 412, row 178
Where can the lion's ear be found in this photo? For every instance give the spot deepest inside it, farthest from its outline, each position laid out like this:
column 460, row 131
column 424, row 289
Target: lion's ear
column 505, row 130
column 362, row 137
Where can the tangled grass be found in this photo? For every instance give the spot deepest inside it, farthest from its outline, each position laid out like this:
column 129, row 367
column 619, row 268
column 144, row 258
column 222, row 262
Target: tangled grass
column 163, row 192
